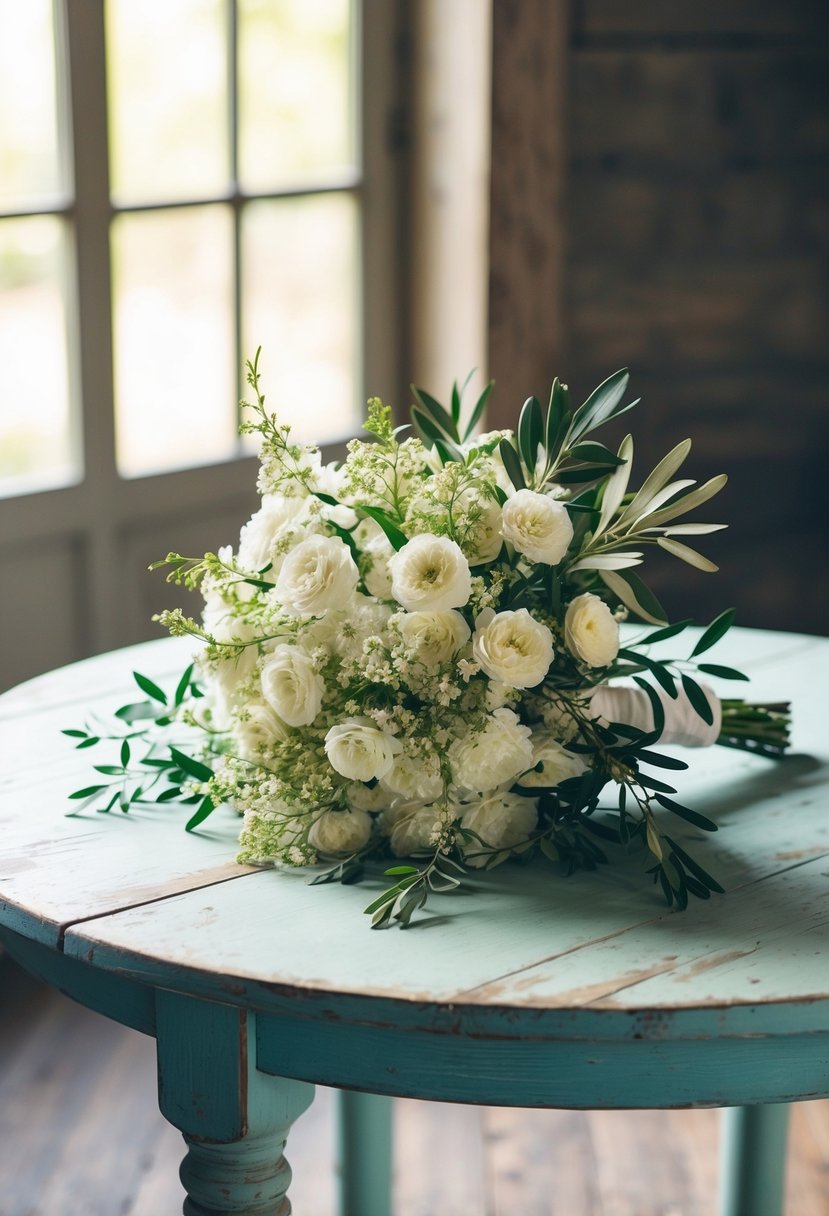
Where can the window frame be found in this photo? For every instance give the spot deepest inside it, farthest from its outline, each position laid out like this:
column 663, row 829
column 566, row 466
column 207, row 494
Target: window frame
column 92, row 513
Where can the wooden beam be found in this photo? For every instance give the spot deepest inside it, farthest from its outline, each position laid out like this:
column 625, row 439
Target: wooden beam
column 527, row 333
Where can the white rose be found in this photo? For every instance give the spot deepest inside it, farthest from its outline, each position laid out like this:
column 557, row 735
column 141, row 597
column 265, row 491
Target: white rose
column 414, row 830
column 557, row 764
column 367, row 798
column 256, row 729
column 502, row 821
column 340, row 831
column 292, row 686
column 434, row 636
column 260, row 533
column 484, row 541
column 537, row 525
column 430, row 574
column 357, row 749
column 417, row 779
column 493, row 756
column 318, row 574
column 513, row 647
column 591, row 632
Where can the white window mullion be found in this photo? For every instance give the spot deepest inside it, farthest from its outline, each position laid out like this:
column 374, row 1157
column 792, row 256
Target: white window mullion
column 85, row 47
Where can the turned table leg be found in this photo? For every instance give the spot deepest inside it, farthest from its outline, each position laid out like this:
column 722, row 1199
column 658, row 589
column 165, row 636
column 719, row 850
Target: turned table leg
column 235, row 1119
column 365, row 1153
column 753, row 1160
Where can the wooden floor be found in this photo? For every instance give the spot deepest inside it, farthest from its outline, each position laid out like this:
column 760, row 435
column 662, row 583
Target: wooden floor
column 80, row 1135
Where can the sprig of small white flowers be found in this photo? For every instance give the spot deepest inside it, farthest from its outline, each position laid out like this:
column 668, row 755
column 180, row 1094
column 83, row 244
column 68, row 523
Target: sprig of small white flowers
column 404, row 655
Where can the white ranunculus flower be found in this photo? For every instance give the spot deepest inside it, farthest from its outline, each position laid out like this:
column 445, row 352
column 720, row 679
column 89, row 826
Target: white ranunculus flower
column 340, row 831
column 359, row 750
column 537, row 525
column 256, row 729
column 292, row 686
column 591, row 632
column 502, row 821
column 436, row 637
column 318, row 574
column 430, row 574
column 512, row 647
column 414, row 830
column 367, row 797
column 557, row 764
column 489, row 758
column 417, row 779
column 263, row 528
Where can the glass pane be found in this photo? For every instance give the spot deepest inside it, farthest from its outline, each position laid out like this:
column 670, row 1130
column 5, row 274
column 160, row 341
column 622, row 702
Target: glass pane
column 294, row 91
column 29, row 166
column 175, row 383
column 167, row 80
column 301, row 307
column 36, row 448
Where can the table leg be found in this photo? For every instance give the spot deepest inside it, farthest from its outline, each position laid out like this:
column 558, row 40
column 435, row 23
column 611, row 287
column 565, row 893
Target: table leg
column 365, row 1152
column 753, row 1160
column 235, row 1119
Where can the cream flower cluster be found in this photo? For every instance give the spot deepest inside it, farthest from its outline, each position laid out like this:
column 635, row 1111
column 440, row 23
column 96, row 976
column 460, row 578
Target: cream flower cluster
column 391, row 661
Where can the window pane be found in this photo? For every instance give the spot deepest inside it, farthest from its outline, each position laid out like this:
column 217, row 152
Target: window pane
column 175, row 383
column 295, row 82
column 29, row 167
column 168, row 124
column 301, row 306
column 35, row 438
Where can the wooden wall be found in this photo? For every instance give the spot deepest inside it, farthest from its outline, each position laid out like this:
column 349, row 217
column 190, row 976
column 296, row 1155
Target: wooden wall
column 693, row 247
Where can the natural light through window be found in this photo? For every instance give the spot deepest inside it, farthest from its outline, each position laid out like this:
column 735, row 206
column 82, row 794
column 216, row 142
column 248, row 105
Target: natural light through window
column 231, row 188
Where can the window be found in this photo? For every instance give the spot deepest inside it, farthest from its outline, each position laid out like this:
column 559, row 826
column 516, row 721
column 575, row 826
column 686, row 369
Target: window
column 180, row 182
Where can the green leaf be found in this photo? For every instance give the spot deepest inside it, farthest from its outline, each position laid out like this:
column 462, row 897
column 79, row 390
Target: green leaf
column 684, row 812
column 475, row 416
column 395, row 537
column 583, row 473
column 558, row 420
column 75, row 734
column 663, row 678
column 109, row 770
column 595, row 453
column 88, row 791
column 530, row 432
column 635, row 595
column 512, row 464
column 656, row 705
column 437, row 412
column 191, row 766
column 149, row 687
column 395, row 870
column 662, row 635
column 183, row 685
column 695, row 868
column 90, row 741
column 616, row 485
column 169, row 794
column 724, row 673
column 125, row 754
column 660, row 761
column 698, row 699
column 549, row 849
column 657, row 479
column 136, row 712
column 600, row 405
column 718, row 628
column 686, row 554
column 428, row 428
column 206, row 808
column 687, row 501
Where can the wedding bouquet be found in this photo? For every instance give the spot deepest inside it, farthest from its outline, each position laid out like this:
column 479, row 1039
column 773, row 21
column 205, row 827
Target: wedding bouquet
column 416, row 655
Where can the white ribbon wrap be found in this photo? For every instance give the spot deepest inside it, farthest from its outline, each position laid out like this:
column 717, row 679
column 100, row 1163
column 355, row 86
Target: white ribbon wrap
column 683, row 725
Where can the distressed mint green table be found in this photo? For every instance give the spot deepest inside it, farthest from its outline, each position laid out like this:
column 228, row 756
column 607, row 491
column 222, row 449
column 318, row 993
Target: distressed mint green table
column 527, row 990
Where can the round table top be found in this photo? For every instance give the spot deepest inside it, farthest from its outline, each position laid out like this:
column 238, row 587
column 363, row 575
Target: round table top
column 518, row 949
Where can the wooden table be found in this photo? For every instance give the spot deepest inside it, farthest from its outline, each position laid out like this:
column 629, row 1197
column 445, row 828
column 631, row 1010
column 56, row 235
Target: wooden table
column 525, row 990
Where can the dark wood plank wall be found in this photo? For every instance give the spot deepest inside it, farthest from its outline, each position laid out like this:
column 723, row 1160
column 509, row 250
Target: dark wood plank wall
column 695, row 240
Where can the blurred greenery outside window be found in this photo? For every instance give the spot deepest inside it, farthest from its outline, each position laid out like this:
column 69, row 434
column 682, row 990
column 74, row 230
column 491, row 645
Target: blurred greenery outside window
column 230, row 186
